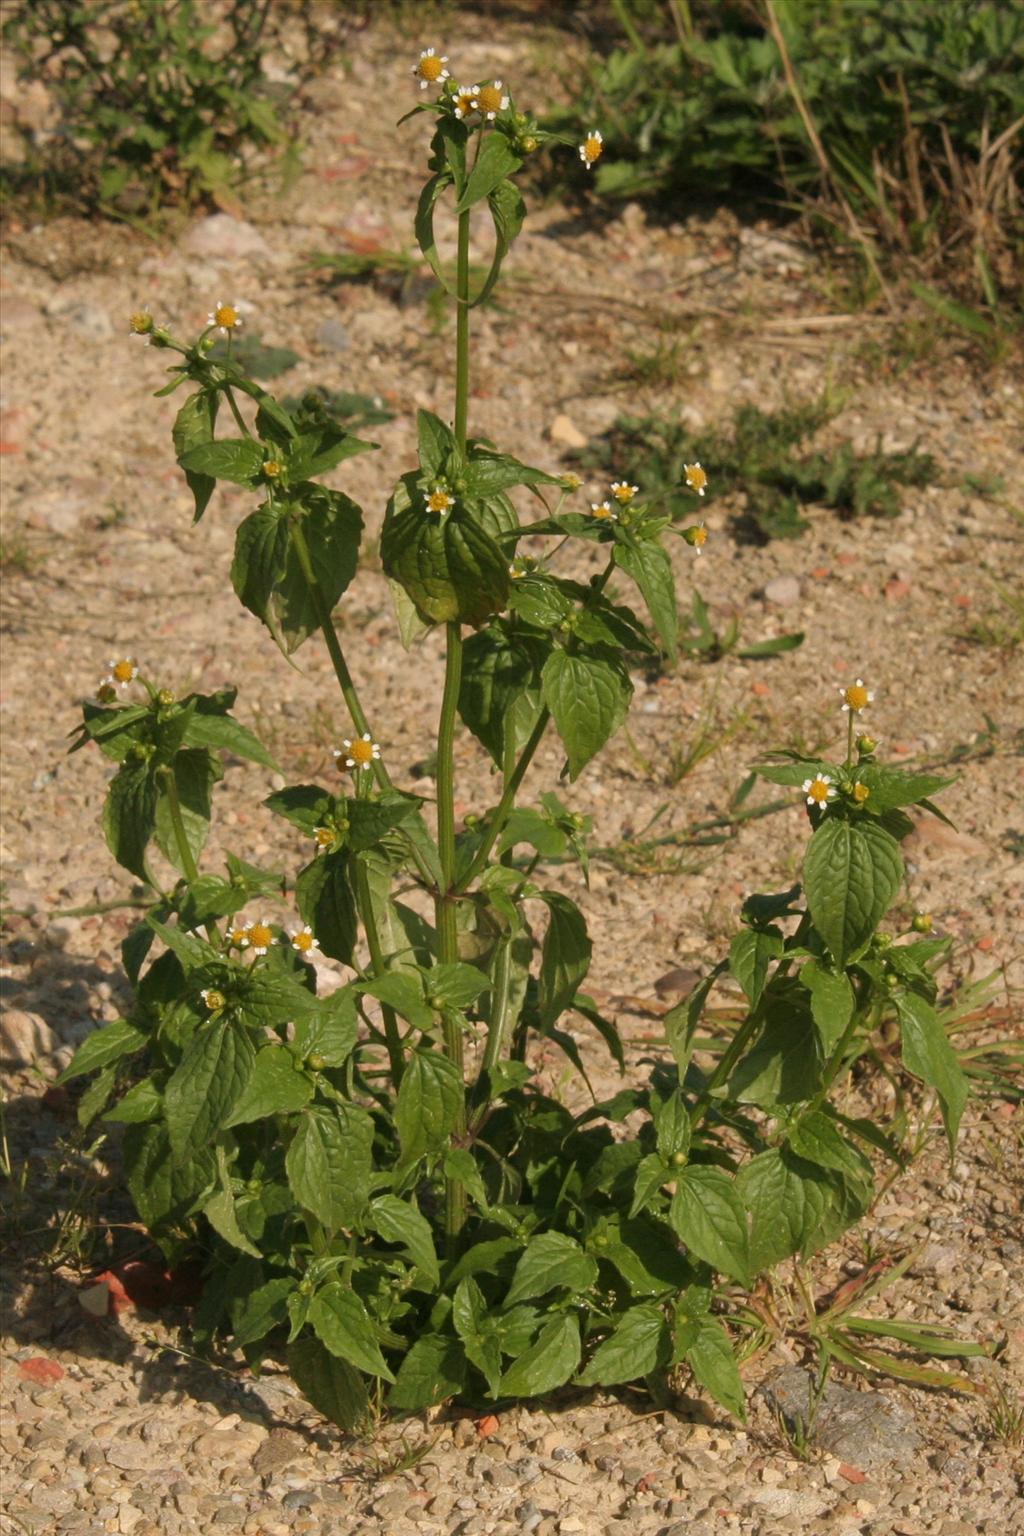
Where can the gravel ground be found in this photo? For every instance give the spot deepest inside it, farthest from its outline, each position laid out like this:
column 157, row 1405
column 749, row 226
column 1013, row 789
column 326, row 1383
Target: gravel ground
column 111, row 1427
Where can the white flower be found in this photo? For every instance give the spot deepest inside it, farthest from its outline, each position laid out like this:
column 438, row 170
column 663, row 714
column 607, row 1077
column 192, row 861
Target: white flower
column 592, row 148
column 623, row 492
column 122, row 672
column 261, row 936
column 226, row 317
column 819, row 790
column 856, row 697
column 490, row 100
column 303, row 940
column 465, row 100
column 696, row 478
column 438, row 499
column 431, row 68
column 604, row 510
column 360, row 753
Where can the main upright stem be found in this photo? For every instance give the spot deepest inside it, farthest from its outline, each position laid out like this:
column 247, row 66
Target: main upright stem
column 445, row 909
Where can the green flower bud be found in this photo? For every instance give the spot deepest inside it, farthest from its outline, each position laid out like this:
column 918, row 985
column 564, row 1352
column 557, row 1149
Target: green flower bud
column 922, row 922
column 866, row 745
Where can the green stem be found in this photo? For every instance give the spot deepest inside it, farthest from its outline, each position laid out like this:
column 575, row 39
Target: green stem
column 462, row 331
column 188, row 862
column 392, row 1034
column 236, row 413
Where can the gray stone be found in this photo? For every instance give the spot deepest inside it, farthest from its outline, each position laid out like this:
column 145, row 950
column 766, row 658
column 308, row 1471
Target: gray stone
column 24, row 1038
column 783, row 591
column 60, row 512
column 61, row 931
column 87, row 319
column 864, row 1428
column 222, row 238
column 333, row 335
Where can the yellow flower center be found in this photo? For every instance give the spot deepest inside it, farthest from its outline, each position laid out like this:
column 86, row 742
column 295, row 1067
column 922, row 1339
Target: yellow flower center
column 272, row 468
column 696, row 478
column 260, row 936
column 464, row 103
column 592, row 149
column 123, row 671
column 438, row 501
column 856, row 697
column 238, row 936
column 819, row 791
column 431, row 67
column 489, row 99
column 226, row 315
column 860, row 793
column 624, row 493
column 141, row 322
column 303, row 940
column 602, row 509
column 105, row 693
column 361, row 752
column 699, row 536
column 323, row 836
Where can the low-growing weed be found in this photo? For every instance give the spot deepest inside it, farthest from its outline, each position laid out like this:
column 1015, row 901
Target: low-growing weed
column 763, row 457
column 376, row 1177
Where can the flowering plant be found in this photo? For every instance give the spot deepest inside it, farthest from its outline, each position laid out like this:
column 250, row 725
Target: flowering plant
column 373, row 1178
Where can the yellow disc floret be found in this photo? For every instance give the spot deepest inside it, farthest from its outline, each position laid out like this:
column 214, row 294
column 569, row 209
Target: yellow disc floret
column 592, row 148
column 819, row 790
column 439, row 500
column 141, row 323
column 304, row 941
column 323, row 837
column 430, row 68
column 491, row 100
column 226, row 317
column 860, row 792
column 856, row 698
column 360, row 753
column 261, row 937
column 696, row 477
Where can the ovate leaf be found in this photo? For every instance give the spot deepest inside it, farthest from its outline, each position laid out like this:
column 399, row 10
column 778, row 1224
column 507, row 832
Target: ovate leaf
column 548, row 1363
column 708, row 1214
column 640, row 1343
column 588, row 697
column 852, row 872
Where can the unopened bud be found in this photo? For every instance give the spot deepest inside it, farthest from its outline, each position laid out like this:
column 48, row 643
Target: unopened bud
column 165, row 698
column 922, row 922
column 866, row 745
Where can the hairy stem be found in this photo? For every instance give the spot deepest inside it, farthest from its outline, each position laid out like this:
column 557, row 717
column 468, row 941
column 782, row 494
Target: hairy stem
column 188, row 862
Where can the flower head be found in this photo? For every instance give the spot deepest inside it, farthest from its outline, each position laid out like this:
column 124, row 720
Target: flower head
column 324, row 838
column 592, row 148
column 122, row 672
column 360, row 753
column 570, row 482
column 141, row 323
column 212, row 999
column 819, row 790
column 438, row 500
column 303, row 940
column 521, row 566
column 465, row 100
column 273, row 469
column 856, row 697
column 860, row 792
column 696, row 478
column 430, row 69
column 261, row 936
column 106, row 692
column 697, row 536
column 239, row 936
column 623, row 492
column 226, row 317
column 490, row 100
column 604, row 510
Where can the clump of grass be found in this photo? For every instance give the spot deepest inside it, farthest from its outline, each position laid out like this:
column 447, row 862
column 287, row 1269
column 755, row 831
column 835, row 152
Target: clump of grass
column 763, row 454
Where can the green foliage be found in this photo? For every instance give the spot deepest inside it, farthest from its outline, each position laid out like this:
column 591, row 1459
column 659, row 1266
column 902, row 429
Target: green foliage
column 158, row 105
column 400, row 1219
column 908, row 100
column 764, row 457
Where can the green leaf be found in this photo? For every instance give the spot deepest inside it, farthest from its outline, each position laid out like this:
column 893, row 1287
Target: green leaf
column 269, row 996
column 455, row 984
column 254, row 1313
column 162, row 1187
column 436, row 443
column 927, row 1054
column 204, row 1087
column 226, row 735
column 750, row 954
column 220, row 1212
column 645, row 1253
column 494, row 163
column 238, row 459
column 329, row 1031
column 489, row 472
column 451, row 568
column 129, row 817
column 548, row 1262
column 640, row 1343
column 816, row 1138
column 478, row 1332
column 671, row 1118
column 333, row 1387
column 787, row 1199
column 891, row 788
column 548, row 1363
column 195, row 772
column 708, row 1214
column 326, row 902
column 275, row 1087
column 496, row 671
column 306, row 806
column 193, row 425
column 424, row 230
column 97, row 1095
column 588, row 697
column 316, row 453
column 784, row 1066
column 429, row 1105
column 565, row 957
column 141, row 1103
column 434, row 1369
column 402, row 992
column 712, row 1360
column 103, row 1046
column 342, row 1323
column 852, row 872
column 189, row 948
column 651, row 1174
column 651, row 569
column 832, row 1002
column 397, row 1221
column 329, row 1162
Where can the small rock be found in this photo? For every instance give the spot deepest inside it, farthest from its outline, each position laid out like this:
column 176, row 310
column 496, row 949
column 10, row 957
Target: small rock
column 222, row 238
column 783, row 591
column 333, row 335
column 24, row 1038
column 87, row 319
column 566, row 434
column 282, row 1448
column 60, row 512
column 305, row 1498
column 61, row 931
column 130, row 1456
column 861, row 1428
